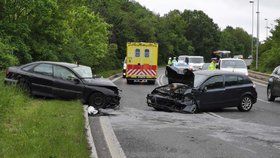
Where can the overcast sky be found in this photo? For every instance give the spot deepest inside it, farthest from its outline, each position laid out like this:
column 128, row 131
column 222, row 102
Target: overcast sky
column 236, row 13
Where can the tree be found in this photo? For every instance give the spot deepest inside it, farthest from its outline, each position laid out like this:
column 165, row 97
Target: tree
column 202, row 32
column 236, row 40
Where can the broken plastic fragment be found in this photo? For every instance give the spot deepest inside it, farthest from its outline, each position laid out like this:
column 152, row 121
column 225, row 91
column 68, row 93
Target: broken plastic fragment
column 92, row 110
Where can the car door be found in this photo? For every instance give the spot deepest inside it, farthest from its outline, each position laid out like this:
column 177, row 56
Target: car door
column 213, row 91
column 232, row 90
column 66, row 84
column 41, row 80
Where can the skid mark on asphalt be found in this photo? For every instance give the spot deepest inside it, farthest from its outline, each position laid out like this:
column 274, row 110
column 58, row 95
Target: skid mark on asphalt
column 230, row 130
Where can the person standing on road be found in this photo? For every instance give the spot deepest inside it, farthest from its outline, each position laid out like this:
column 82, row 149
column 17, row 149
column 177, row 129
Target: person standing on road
column 213, row 64
column 169, row 61
column 174, row 60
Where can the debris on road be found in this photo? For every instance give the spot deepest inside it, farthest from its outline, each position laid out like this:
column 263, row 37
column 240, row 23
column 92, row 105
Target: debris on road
column 92, row 111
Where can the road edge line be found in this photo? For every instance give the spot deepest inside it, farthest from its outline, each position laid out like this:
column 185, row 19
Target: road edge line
column 89, row 137
column 117, row 78
column 113, row 144
column 215, row 115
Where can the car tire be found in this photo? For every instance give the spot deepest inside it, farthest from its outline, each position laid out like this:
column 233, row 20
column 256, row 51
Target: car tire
column 152, row 82
column 25, row 86
column 170, row 81
column 97, row 100
column 270, row 96
column 129, row 81
column 158, row 109
column 246, row 104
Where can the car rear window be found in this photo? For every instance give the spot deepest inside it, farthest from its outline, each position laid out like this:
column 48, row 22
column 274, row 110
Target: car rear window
column 233, row 64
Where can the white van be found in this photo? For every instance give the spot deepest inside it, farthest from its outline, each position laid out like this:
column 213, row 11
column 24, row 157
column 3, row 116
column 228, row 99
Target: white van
column 194, row 62
column 233, row 65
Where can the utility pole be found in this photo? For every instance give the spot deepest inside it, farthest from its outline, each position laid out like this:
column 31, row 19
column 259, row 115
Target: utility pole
column 258, row 33
column 252, row 42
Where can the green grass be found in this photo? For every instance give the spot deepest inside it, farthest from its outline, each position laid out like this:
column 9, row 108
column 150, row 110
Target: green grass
column 40, row 128
column 109, row 73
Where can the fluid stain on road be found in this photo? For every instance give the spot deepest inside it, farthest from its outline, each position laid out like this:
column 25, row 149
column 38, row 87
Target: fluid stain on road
column 229, row 130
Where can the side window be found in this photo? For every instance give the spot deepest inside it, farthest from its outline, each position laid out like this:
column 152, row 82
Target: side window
column 187, row 60
column 242, row 80
column 28, row 68
column 215, row 82
column 147, row 53
column 45, row 69
column 137, row 52
column 63, row 73
column 231, row 80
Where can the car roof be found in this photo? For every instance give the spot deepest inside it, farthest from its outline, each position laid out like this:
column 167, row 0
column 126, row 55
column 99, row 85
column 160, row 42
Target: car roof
column 231, row 59
column 216, row 72
column 69, row 65
column 191, row 56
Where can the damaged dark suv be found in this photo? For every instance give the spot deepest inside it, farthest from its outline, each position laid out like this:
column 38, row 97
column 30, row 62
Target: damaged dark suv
column 209, row 90
column 64, row 80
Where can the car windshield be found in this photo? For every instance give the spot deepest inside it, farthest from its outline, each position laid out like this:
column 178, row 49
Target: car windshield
column 199, row 79
column 233, row 64
column 196, row 60
column 180, row 64
column 83, row 71
column 181, row 58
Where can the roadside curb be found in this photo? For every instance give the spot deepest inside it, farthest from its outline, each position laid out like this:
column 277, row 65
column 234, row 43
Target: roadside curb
column 91, row 144
column 114, row 145
column 110, row 138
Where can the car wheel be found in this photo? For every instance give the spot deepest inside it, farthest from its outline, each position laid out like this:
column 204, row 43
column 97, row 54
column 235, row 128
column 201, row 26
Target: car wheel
column 152, row 82
column 97, row 100
column 170, row 81
column 25, row 86
column 270, row 96
column 246, row 104
column 157, row 109
column 129, row 81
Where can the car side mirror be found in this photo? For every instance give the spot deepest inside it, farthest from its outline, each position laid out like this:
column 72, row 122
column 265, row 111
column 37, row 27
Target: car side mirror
column 76, row 81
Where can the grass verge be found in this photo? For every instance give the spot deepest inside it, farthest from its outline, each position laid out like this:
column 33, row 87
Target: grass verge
column 40, row 128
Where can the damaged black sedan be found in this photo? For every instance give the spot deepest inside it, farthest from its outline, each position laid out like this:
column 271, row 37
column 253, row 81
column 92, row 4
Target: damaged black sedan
column 207, row 91
column 64, row 80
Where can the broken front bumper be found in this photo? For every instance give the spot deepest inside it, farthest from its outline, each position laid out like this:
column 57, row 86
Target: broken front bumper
column 169, row 104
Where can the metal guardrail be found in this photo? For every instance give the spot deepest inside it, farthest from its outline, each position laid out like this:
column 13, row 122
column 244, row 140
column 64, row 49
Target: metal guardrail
column 260, row 77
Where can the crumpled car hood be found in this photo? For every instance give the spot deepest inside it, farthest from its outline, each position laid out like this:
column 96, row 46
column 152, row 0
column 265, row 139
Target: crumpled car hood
column 99, row 82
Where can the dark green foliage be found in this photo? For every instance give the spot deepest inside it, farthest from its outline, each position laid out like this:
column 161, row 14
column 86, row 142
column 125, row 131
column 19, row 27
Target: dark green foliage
column 236, row 40
column 95, row 32
column 270, row 51
column 52, row 30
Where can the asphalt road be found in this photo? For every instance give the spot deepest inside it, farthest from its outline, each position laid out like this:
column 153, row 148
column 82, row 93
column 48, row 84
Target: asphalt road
column 144, row 132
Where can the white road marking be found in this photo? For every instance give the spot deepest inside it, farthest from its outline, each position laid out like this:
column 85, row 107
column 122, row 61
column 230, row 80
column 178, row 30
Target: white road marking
column 264, row 101
column 261, row 84
column 161, row 80
column 114, row 80
column 158, row 80
column 112, row 142
column 213, row 114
